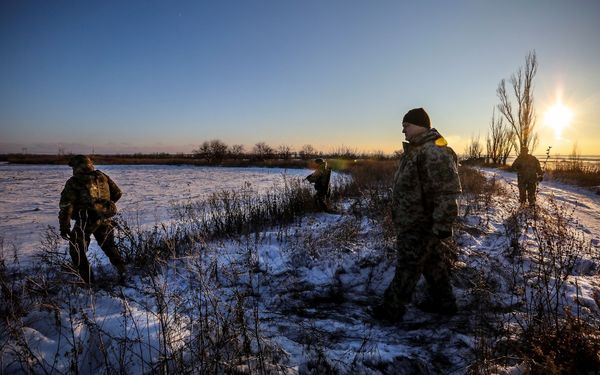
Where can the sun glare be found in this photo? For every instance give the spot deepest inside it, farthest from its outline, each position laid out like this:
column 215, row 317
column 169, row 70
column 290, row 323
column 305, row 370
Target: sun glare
column 558, row 117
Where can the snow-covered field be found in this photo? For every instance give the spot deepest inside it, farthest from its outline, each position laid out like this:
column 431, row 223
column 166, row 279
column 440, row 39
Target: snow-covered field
column 302, row 291
column 30, row 193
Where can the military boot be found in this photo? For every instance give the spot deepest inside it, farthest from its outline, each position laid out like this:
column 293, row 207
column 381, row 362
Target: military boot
column 438, row 307
column 386, row 313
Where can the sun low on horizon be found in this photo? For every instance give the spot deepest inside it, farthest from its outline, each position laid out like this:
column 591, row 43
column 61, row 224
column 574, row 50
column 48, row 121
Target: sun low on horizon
column 558, row 117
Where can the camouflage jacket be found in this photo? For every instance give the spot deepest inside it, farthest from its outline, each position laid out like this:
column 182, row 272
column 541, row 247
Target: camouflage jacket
column 86, row 195
column 426, row 186
column 321, row 178
column 528, row 168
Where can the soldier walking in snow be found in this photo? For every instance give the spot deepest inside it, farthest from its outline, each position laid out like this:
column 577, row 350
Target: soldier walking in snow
column 529, row 173
column 89, row 198
column 320, row 178
column 424, row 207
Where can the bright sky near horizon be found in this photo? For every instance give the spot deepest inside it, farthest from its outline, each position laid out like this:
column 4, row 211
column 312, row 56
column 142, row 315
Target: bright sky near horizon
column 163, row 76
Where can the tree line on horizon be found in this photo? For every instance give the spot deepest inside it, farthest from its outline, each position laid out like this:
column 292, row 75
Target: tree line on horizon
column 216, row 150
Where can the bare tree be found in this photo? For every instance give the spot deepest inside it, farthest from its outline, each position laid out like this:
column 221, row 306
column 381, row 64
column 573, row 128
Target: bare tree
column 218, row 150
column 521, row 118
column 284, row 152
column 236, row 151
column 307, row 152
column 344, row 152
column 262, row 151
column 499, row 141
column 474, row 149
column 203, row 151
column 214, row 150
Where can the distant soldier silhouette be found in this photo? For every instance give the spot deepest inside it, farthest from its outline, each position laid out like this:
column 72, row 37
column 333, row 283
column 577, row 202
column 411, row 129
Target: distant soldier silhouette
column 424, row 208
column 529, row 173
column 89, row 198
column 320, row 178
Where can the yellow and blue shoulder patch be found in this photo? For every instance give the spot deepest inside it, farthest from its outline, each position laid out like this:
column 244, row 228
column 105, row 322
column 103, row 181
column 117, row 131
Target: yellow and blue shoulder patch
column 441, row 142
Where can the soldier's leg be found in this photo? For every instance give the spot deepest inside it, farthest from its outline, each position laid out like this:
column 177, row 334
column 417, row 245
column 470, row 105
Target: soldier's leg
column 522, row 191
column 436, row 269
column 105, row 237
column 408, row 270
column 320, row 201
column 531, row 190
column 78, row 246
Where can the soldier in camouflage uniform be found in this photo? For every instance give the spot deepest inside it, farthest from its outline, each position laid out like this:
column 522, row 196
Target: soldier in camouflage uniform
column 89, row 198
column 320, row 178
column 424, row 207
column 529, row 172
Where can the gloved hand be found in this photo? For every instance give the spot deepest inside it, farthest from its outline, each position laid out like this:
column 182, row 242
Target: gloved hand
column 65, row 233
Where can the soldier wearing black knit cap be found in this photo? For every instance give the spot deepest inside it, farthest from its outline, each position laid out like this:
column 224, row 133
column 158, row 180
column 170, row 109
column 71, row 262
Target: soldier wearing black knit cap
column 424, row 207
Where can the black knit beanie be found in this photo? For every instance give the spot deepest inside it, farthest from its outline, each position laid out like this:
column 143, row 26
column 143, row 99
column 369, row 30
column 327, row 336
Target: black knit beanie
column 417, row 116
column 78, row 160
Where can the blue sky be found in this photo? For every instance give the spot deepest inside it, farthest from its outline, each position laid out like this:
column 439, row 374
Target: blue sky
column 154, row 76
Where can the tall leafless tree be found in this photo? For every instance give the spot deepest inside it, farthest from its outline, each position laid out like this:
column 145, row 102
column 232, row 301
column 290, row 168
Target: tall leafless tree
column 499, row 142
column 519, row 112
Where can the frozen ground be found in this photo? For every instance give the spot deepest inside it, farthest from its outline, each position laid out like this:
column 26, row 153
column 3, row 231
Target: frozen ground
column 30, row 193
column 310, row 285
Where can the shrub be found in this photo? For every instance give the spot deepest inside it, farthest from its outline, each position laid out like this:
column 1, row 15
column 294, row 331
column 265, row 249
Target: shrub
column 575, row 172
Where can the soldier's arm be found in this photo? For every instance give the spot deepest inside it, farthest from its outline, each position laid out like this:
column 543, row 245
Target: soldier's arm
column 395, row 199
column 327, row 176
column 324, row 176
column 313, row 177
column 442, row 185
column 115, row 192
column 516, row 164
column 67, row 200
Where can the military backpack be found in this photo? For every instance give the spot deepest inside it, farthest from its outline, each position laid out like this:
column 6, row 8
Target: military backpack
column 96, row 194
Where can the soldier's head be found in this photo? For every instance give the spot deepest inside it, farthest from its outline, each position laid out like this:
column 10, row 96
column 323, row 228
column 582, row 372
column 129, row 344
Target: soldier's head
column 321, row 163
column 524, row 150
column 81, row 164
column 415, row 122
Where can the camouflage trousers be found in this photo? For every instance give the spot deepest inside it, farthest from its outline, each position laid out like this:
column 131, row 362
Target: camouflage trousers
column 80, row 241
column 418, row 254
column 321, row 200
column 527, row 190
